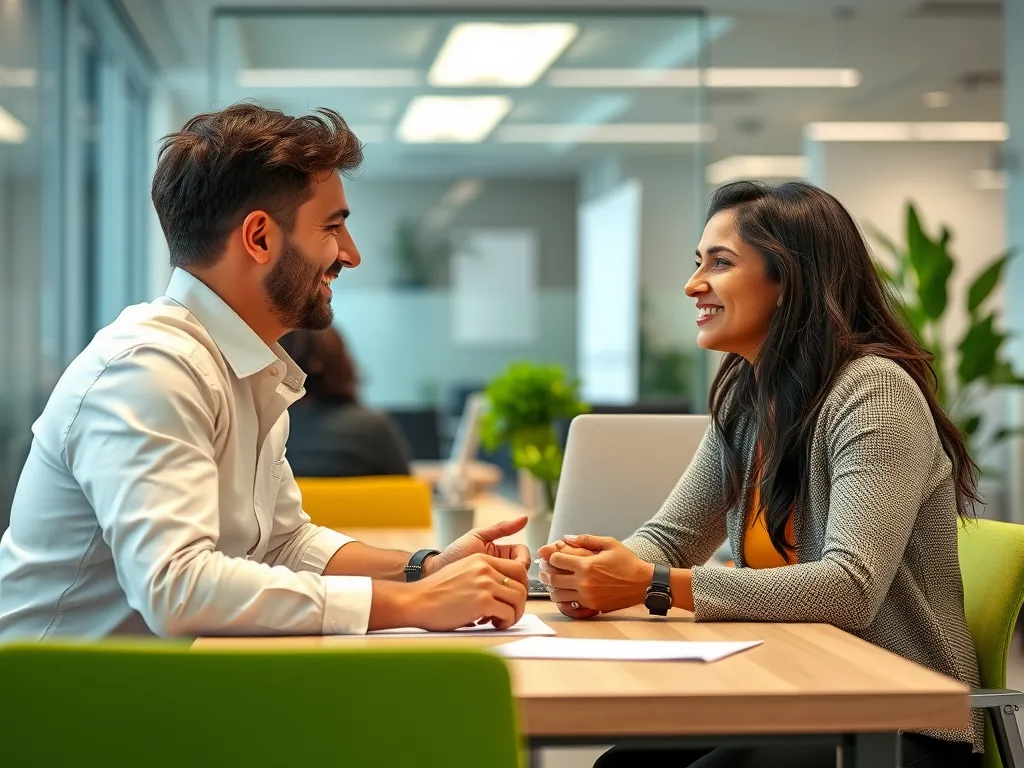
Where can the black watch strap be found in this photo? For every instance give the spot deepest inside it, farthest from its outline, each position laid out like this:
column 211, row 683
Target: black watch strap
column 414, row 570
column 662, row 580
column 659, row 594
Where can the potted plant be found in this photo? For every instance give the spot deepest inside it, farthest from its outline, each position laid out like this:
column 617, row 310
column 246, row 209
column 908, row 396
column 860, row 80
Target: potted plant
column 525, row 407
column 969, row 367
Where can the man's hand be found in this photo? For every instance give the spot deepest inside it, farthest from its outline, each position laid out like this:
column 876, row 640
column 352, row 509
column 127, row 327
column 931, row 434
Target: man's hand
column 608, row 577
column 476, row 587
column 481, row 542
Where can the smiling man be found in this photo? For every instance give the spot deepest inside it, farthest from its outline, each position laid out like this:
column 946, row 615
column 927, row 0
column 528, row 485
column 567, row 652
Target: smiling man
column 156, row 497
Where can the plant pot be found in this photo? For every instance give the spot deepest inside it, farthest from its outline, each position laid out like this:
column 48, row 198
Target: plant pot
column 538, row 528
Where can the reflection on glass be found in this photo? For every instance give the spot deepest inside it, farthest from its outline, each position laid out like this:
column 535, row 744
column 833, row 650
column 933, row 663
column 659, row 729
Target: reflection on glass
column 537, row 206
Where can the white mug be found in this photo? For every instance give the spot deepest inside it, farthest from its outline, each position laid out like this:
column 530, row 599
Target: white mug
column 451, row 522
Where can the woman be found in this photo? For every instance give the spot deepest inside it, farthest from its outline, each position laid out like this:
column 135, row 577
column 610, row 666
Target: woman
column 829, row 465
column 332, row 434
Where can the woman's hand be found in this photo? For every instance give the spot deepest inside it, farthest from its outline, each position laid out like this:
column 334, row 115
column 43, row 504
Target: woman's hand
column 608, row 578
column 566, row 600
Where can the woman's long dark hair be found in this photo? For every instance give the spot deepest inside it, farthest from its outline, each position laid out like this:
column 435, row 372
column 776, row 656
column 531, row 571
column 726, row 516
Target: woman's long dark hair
column 834, row 310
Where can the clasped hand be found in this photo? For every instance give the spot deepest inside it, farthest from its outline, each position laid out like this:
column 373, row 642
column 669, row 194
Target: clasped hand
column 593, row 574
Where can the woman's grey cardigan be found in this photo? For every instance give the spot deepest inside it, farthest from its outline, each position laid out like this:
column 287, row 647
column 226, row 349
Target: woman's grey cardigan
column 876, row 544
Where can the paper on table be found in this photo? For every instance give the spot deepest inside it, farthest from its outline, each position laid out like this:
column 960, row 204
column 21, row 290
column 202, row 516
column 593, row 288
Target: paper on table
column 528, row 625
column 621, row 650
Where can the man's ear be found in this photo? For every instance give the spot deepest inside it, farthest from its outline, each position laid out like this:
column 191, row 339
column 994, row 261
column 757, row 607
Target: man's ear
column 259, row 236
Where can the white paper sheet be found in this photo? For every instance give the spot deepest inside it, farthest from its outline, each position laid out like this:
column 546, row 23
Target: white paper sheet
column 621, row 650
column 526, row 626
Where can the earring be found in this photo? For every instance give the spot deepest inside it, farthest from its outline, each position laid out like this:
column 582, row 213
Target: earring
column 780, row 302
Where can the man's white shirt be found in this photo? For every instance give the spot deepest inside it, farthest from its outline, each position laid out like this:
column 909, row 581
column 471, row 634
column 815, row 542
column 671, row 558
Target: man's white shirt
column 156, row 496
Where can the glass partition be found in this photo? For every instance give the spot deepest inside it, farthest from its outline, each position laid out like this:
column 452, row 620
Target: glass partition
column 532, row 189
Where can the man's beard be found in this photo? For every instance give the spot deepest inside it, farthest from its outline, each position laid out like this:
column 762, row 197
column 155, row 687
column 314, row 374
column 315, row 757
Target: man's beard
column 293, row 286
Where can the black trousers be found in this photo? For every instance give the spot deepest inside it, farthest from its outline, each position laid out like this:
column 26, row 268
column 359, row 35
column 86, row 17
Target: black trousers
column 918, row 752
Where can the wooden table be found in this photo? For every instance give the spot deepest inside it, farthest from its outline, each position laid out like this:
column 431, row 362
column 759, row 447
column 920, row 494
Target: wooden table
column 806, row 682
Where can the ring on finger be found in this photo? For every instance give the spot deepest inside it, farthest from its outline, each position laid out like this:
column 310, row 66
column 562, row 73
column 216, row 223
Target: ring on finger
column 575, row 605
column 504, row 582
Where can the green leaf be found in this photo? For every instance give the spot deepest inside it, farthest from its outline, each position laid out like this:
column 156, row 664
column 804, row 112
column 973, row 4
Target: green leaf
column 1006, row 433
column 931, row 263
column 1002, row 375
column 970, row 425
column 986, row 282
column 979, row 350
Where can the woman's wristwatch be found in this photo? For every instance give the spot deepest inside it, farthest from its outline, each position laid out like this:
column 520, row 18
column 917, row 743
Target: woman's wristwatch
column 659, row 594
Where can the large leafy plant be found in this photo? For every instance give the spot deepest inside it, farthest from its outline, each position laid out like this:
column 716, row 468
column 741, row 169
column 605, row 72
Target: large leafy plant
column 967, row 367
column 525, row 405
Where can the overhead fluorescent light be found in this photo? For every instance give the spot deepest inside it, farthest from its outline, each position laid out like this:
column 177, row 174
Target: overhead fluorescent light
column 768, row 77
column 712, row 77
column 328, row 78
column 923, row 131
column 508, row 55
column 989, row 179
column 18, row 77
column 464, row 119
column 12, row 130
column 737, row 167
column 458, row 195
column 611, row 133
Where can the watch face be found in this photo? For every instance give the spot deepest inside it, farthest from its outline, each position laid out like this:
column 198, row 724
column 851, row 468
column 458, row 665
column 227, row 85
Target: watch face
column 658, row 602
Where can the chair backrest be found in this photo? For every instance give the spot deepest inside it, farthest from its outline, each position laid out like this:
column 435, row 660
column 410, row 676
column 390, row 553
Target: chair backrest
column 166, row 705
column 367, row 502
column 422, row 430
column 992, row 566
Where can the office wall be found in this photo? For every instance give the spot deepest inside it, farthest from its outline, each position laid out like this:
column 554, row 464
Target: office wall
column 402, row 337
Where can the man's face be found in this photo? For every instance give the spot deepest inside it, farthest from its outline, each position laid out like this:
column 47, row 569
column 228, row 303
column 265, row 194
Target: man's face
column 314, row 253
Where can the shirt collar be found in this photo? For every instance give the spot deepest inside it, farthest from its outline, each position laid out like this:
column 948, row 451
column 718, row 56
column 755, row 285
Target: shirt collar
column 244, row 350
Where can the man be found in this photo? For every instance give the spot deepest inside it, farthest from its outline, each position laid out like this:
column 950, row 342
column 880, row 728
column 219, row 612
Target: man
column 156, row 496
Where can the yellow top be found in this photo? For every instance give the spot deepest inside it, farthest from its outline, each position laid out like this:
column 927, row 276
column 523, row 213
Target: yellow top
column 758, row 551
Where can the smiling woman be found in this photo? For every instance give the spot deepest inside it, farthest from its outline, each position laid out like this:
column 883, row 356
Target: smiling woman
column 829, row 465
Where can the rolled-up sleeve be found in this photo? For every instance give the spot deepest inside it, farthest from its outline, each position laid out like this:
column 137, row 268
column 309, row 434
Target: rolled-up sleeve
column 147, row 466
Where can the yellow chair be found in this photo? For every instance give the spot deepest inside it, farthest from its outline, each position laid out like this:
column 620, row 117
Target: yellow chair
column 393, row 501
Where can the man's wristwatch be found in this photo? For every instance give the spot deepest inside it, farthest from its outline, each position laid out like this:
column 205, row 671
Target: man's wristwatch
column 414, row 570
column 659, row 594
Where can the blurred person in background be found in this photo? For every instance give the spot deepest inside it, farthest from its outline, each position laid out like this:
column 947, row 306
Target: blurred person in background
column 332, row 434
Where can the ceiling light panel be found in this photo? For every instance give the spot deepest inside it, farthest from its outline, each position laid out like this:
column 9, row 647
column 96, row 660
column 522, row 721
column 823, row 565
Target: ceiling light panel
column 12, row 130
column 452, row 119
column 479, row 54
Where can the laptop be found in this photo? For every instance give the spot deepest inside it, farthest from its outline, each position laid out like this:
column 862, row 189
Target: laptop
column 617, row 472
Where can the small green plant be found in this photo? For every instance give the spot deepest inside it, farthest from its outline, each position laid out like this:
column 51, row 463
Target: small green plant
column 967, row 368
column 524, row 406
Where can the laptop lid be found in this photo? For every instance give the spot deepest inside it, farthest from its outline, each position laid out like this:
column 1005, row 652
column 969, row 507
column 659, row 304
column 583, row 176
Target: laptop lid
column 619, row 469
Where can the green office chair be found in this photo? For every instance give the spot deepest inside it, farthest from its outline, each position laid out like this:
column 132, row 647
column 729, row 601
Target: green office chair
column 165, row 705
column 992, row 564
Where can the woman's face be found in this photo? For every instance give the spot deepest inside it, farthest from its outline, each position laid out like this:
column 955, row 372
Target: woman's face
column 736, row 299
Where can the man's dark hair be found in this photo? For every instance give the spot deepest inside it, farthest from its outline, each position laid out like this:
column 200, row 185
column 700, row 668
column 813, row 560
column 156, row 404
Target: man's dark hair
column 223, row 165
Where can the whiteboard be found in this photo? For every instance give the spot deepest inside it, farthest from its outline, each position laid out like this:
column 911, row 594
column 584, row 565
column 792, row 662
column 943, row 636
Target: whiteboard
column 494, row 286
